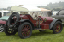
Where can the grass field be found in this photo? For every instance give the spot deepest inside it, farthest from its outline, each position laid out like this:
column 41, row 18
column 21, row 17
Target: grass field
column 46, row 36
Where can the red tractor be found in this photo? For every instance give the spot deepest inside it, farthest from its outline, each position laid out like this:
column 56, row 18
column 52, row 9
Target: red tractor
column 24, row 24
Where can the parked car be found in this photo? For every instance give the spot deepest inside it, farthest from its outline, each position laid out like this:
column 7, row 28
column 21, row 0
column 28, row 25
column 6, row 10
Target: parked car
column 3, row 13
column 2, row 23
column 3, row 19
column 25, row 23
column 59, row 15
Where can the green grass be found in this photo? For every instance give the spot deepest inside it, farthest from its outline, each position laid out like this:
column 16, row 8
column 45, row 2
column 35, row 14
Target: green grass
column 46, row 36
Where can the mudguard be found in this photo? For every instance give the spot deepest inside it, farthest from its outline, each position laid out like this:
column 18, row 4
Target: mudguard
column 27, row 20
column 24, row 20
column 54, row 20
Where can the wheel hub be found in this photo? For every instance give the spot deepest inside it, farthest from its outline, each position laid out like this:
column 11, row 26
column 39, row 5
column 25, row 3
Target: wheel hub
column 58, row 28
column 26, row 30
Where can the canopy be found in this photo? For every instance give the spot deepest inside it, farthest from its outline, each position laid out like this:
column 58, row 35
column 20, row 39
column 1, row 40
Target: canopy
column 26, row 9
column 39, row 9
column 43, row 9
column 18, row 9
column 33, row 8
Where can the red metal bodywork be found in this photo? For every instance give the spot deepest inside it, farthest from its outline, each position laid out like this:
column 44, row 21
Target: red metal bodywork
column 44, row 25
column 28, row 17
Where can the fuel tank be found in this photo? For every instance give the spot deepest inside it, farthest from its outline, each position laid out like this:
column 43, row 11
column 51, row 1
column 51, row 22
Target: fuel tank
column 47, row 20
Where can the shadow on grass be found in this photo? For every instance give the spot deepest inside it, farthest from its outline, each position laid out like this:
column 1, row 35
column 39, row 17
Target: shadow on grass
column 43, row 33
column 35, row 33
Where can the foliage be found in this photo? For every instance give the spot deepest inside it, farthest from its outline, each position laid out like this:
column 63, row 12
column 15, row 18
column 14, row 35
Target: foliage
column 55, row 6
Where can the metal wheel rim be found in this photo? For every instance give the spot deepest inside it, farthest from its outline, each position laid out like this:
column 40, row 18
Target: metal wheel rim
column 58, row 28
column 26, row 30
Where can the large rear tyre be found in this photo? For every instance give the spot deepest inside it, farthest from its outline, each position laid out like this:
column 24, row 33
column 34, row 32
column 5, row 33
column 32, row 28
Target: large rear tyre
column 25, row 30
column 57, row 28
column 11, row 22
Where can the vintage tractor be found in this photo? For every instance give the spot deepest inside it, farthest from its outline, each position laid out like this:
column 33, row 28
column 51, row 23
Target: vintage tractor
column 24, row 24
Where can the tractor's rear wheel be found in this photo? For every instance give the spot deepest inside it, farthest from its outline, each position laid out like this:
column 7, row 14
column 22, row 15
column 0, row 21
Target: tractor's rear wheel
column 9, row 31
column 25, row 30
column 57, row 28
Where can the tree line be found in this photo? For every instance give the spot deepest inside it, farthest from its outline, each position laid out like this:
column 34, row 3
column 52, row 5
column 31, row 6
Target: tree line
column 54, row 6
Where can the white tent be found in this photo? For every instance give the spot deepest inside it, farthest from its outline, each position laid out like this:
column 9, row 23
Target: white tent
column 27, row 9
column 38, row 11
column 33, row 8
column 18, row 9
column 30, row 10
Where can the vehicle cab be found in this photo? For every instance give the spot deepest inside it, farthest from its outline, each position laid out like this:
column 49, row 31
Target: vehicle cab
column 3, row 13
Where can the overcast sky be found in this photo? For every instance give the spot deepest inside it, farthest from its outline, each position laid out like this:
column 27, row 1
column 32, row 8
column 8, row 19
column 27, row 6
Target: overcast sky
column 6, row 3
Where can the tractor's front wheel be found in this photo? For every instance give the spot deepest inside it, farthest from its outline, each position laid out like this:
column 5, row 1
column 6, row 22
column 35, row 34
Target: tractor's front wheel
column 25, row 30
column 57, row 28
